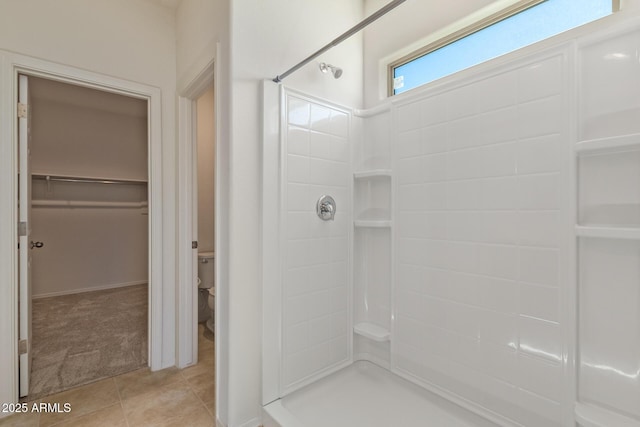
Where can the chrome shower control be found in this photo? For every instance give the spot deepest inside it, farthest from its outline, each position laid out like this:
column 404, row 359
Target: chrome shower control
column 326, row 208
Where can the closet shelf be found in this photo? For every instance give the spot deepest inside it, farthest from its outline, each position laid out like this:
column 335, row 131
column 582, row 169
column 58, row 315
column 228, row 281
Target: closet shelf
column 593, row 416
column 372, row 331
column 373, row 173
column 85, row 179
column 608, row 232
column 611, row 143
column 87, row 204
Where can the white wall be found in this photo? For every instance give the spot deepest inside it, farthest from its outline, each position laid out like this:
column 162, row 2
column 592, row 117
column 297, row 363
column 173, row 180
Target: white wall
column 77, row 131
column 78, row 141
column 268, row 38
column 130, row 40
column 200, row 24
column 88, row 249
column 206, row 171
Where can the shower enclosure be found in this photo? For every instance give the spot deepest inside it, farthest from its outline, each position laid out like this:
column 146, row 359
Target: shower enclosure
column 484, row 258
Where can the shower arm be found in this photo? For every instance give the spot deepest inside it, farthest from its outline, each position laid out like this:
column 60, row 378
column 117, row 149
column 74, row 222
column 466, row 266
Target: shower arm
column 373, row 17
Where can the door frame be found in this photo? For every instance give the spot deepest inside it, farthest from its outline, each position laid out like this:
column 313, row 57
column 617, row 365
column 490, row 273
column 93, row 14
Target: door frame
column 187, row 325
column 12, row 64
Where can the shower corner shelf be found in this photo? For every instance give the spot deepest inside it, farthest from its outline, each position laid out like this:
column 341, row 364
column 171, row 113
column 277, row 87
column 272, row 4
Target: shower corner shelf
column 372, row 223
column 373, row 218
column 611, row 143
column 373, row 173
column 372, row 331
column 608, row 232
column 592, row 416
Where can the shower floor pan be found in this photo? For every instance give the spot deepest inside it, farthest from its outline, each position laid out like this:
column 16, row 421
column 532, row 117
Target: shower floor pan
column 364, row 394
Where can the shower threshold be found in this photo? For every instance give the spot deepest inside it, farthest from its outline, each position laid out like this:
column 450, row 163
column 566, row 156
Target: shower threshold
column 363, row 394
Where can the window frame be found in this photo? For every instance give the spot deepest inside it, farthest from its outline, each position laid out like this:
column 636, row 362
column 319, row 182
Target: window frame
column 453, row 37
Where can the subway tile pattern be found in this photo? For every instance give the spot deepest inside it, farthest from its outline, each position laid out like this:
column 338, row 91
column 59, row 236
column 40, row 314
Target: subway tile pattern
column 315, row 327
column 477, row 242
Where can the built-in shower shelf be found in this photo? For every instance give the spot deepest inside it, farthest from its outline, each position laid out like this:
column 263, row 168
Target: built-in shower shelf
column 608, row 232
column 376, row 216
column 372, row 331
column 593, row 416
column 372, row 223
column 609, row 143
column 373, row 173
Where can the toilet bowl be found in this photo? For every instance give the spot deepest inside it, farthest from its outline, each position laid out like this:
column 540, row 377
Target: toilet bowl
column 205, row 282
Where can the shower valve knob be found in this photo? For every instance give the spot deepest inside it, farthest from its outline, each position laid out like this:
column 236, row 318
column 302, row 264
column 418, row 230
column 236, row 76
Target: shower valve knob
column 326, row 208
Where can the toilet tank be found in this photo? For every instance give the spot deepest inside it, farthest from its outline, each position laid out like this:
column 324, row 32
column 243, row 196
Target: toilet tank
column 205, row 269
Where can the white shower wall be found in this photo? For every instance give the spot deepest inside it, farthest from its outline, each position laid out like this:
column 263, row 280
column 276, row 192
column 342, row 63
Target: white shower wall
column 478, row 196
column 316, row 327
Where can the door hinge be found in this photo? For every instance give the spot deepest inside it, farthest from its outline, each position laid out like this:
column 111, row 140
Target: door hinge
column 23, row 347
column 194, row 244
column 22, row 110
column 22, row 228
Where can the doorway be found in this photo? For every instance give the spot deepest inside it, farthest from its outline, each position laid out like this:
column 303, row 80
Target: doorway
column 205, row 209
column 161, row 332
column 199, row 233
column 84, row 273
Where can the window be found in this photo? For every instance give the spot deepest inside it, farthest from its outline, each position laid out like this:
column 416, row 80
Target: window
column 530, row 22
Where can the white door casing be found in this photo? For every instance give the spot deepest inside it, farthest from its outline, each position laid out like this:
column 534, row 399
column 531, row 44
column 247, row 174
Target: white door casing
column 24, row 213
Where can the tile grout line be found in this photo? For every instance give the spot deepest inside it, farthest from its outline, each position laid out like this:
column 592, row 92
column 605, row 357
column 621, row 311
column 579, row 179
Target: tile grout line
column 82, row 415
column 196, row 394
column 124, row 414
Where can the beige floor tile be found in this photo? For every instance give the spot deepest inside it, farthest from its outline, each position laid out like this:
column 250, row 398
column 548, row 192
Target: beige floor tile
column 203, row 366
column 204, row 386
column 206, row 358
column 83, row 400
column 170, row 405
column 211, row 407
column 205, row 348
column 143, row 380
column 23, row 419
column 112, row 416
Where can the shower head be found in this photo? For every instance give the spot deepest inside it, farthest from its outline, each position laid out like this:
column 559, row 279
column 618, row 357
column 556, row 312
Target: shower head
column 336, row 71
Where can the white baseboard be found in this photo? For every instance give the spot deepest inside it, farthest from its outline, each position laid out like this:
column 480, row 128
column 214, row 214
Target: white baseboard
column 93, row 288
column 255, row 422
column 251, row 423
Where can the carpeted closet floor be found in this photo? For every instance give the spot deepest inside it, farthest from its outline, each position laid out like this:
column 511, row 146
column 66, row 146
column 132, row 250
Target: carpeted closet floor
column 82, row 338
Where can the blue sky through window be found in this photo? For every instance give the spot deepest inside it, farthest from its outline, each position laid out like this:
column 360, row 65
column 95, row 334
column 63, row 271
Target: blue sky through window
column 529, row 26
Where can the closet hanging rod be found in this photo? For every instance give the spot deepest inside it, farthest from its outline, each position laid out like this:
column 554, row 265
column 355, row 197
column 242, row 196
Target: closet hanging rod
column 60, row 178
column 373, row 17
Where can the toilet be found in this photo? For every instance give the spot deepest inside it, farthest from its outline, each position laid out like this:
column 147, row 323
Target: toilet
column 206, row 290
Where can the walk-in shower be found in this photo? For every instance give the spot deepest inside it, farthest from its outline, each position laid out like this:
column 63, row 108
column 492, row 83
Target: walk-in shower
column 483, row 263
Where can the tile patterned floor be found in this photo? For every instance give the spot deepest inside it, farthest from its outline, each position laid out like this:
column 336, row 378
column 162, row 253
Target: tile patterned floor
column 171, row 397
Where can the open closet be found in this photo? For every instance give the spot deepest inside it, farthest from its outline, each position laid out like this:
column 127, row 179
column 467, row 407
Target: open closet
column 89, row 235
